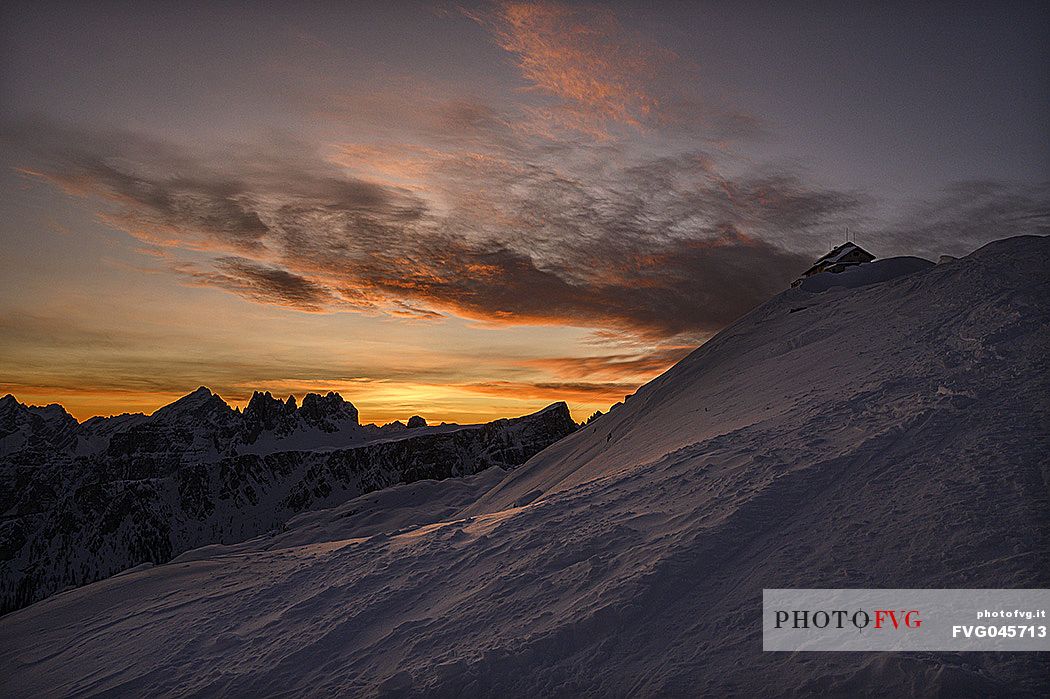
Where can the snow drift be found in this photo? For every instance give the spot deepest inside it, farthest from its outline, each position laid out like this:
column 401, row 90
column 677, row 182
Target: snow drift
column 888, row 435
column 862, row 275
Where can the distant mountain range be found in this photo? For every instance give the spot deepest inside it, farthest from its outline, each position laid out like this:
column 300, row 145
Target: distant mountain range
column 83, row 501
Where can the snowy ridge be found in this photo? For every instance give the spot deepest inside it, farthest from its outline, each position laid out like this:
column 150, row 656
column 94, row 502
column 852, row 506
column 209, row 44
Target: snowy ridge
column 889, row 434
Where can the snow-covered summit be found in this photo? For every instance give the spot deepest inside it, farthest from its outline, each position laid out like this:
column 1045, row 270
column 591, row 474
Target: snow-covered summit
column 864, row 274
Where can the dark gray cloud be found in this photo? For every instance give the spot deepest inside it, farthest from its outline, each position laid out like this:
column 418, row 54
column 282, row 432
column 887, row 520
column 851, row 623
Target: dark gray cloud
column 526, row 233
column 966, row 215
column 262, row 283
column 232, row 200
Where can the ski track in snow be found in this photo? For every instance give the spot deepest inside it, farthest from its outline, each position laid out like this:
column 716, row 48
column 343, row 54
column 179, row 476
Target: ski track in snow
column 891, row 434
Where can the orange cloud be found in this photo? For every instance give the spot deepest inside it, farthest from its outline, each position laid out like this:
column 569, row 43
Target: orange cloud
column 622, row 368
column 402, row 163
column 587, row 73
column 581, row 56
column 588, row 393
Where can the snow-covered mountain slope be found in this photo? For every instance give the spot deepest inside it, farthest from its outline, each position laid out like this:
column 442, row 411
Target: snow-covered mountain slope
column 891, row 434
column 82, row 502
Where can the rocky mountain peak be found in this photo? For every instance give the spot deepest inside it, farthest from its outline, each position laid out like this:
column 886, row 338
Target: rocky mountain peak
column 266, row 413
column 263, row 405
column 35, row 424
column 10, row 410
column 201, row 404
column 324, row 412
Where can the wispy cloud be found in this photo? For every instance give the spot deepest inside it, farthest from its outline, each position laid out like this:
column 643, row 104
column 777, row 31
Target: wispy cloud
column 578, row 391
column 598, row 75
column 579, row 55
column 262, row 283
column 656, row 248
column 620, row 367
column 965, row 215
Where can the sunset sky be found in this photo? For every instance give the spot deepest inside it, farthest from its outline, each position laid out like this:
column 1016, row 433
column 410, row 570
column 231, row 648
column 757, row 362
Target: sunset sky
column 471, row 210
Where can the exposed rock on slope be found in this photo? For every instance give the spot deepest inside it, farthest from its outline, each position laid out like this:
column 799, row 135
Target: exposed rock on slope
column 888, row 435
column 32, row 429
column 83, row 502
